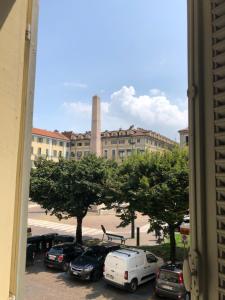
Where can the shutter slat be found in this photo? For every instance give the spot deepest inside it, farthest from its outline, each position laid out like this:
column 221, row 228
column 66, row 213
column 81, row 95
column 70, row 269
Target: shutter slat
column 219, row 59
column 220, row 84
column 220, row 148
column 217, row 1
column 219, row 71
column 220, row 46
column 220, row 97
column 220, row 109
column 220, row 9
column 221, row 246
column 220, row 122
column 219, row 22
column 219, row 34
column 221, row 204
column 220, row 135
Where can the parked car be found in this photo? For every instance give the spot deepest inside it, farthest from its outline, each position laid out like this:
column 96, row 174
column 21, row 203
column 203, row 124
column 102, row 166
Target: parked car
column 169, row 282
column 30, row 255
column 63, row 238
column 60, row 256
column 89, row 266
column 48, row 240
column 36, row 241
column 129, row 267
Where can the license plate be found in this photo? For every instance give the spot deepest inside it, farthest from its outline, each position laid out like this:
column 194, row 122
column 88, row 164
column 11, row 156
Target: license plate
column 52, row 257
column 167, row 287
column 109, row 276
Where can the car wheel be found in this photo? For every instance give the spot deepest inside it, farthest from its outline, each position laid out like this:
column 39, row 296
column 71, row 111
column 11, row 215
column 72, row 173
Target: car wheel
column 133, row 285
column 65, row 267
column 95, row 275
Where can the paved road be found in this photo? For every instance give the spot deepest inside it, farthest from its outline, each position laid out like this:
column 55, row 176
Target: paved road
column 42, row 223
column 42, row 284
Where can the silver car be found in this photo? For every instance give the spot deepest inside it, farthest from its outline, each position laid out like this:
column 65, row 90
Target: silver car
column 169, row 282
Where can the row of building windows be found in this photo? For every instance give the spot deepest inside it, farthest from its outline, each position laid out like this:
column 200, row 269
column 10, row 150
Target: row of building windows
column 80, row 144
column 121, row 153
column 48, row 141
column 135, row 141
column 121, row 141
column 46, row 153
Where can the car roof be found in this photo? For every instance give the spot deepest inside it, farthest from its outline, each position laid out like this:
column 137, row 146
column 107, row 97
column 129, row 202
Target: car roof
column 64, row 245
column 173, row 267
column 128, row 252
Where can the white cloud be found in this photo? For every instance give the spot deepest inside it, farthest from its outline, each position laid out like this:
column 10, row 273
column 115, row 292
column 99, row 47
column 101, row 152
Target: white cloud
column 77, row 107
column 156, row 92
column 154, row 111
column 81, row 107
column 75, row 84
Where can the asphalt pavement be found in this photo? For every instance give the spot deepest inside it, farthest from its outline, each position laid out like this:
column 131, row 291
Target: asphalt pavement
column 48, row 284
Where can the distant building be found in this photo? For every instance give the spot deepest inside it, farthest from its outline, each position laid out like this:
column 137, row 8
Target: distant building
column 184, row 137
column 49, row 144
column 118, row 144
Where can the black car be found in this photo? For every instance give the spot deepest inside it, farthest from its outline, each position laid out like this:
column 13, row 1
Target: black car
column 63, row 238
column 89, row 266
column 48, row 240
column 30, row 255
column 170, row 283
column 36, row 241
column 60, row 256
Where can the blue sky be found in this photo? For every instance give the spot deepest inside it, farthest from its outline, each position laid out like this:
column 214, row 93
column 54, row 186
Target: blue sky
column 132, row 53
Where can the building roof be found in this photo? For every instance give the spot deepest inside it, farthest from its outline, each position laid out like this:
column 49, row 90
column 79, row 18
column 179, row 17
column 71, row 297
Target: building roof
column 185, row 130
column 52, row 134
column 130, row 132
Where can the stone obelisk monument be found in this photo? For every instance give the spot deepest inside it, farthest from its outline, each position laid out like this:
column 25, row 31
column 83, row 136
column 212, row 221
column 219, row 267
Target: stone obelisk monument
column 96, row 126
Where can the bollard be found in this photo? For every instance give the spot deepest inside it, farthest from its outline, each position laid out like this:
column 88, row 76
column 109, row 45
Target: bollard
column 138, row 237
column 133, row 229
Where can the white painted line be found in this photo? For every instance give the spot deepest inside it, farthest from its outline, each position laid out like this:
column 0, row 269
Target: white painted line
column 34, row 205
column 63, row 227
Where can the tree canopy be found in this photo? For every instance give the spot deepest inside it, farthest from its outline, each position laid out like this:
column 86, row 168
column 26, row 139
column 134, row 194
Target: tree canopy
column 68, row 188
column 155, row 184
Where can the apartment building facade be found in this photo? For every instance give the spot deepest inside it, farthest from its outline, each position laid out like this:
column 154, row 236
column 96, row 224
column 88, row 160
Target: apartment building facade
column 49, row 144
column 118, row 144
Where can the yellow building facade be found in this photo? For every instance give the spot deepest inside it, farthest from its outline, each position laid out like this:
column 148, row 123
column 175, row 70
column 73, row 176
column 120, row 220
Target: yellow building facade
column 49, row 144
column 18, row 33
column 119, row 144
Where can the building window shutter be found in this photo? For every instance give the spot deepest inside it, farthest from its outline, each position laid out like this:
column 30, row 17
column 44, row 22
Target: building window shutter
column 218, row 42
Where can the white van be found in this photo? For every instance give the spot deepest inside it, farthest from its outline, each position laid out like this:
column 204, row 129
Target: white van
column 130, row 267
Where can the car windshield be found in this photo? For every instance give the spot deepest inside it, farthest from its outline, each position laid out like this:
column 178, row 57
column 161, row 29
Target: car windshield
column 169, row 276
column 56, row 251
column 92, row 254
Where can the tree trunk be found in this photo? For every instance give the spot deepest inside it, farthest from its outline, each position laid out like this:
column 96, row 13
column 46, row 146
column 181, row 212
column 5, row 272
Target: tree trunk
column 172, row 244
column 79, row 230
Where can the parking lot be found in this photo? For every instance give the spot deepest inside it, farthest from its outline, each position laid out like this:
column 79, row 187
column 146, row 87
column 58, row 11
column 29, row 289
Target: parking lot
column 48, row 284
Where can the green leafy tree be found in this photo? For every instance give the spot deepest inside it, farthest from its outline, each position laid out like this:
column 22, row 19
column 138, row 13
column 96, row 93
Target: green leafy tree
column 68, row 188
column 155, row 184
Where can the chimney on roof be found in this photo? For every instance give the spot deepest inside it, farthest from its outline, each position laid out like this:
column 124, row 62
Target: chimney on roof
column 96, row 126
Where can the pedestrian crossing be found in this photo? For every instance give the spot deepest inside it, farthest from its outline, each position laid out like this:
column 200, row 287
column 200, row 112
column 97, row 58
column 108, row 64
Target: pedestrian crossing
column 71, row 229
column 34, row 205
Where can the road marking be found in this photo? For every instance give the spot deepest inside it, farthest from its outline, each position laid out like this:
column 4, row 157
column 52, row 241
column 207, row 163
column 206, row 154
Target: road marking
column 34, row 205
column 63, row 227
